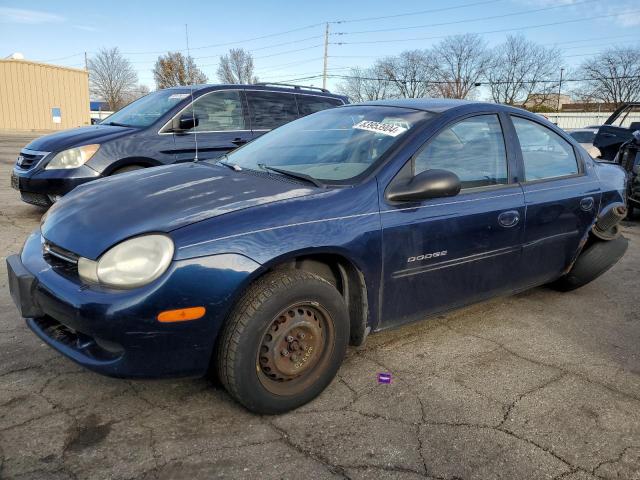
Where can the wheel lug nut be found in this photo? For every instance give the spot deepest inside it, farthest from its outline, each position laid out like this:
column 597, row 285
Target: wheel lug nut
column 295, row 357
column 289, row 338
column 301, row 336
column 285, row 352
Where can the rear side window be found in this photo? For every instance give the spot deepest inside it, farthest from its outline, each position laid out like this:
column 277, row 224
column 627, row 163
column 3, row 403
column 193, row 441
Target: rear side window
column 308, row 104
column 218, row 111
column 269, row 110
column 473, row 149
column 545, row 153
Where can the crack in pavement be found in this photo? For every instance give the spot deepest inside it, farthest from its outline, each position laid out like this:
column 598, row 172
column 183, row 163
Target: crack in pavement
column 335, row 469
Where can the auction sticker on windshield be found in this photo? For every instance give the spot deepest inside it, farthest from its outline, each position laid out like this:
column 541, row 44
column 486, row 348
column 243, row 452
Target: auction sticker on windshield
column 377, row 127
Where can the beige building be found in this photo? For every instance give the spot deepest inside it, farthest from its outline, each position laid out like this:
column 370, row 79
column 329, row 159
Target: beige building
column 38, row 96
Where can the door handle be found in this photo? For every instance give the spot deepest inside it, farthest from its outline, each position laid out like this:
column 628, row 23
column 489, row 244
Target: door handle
column 509, row 218
column 238, row 141
column 586, row 203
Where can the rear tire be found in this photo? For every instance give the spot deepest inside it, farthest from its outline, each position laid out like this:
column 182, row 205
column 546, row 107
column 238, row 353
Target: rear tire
column 284, row 341
column 595, row 260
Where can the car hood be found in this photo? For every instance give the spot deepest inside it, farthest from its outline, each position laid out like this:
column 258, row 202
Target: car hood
column 97, row 215
column 76, row 137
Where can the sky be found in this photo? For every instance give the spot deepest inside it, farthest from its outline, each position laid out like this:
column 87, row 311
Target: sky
column 286, row 38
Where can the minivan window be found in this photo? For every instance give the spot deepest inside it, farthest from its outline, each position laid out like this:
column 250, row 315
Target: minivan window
column 269, row 110
column 218, row 111
column 308, row 104
column 146, row 110
column 334, row 145
column 545, row 153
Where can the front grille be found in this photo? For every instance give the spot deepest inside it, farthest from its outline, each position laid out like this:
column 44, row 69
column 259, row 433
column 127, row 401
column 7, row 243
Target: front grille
column 89, row 346
column 27, row 160
column 63, row 261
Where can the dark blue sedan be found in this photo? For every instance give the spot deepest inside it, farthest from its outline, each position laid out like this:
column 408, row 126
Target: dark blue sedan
column 264, row 265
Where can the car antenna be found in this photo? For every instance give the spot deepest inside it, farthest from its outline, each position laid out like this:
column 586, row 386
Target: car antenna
column 190, row 79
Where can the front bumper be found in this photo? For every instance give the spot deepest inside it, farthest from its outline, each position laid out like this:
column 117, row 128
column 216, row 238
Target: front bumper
column 39, row 186
column 116, row 332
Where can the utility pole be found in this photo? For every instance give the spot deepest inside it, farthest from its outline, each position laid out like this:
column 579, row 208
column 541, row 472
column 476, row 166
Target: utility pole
column 326, row 56
column 86, row 62
column 559, row 89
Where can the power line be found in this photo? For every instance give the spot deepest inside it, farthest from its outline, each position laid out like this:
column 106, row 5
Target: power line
column 437, row 82
column 262, row 37
column 563, row 22
column 420, row 12
column 478, row 19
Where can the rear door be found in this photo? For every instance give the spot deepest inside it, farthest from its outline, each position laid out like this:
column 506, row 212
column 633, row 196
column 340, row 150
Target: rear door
column 447, row 252
column 269, row 110
column 222, row 126
column 562, row 197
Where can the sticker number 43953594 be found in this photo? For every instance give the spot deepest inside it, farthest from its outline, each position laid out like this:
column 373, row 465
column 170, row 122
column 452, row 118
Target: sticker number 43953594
column 377, row 127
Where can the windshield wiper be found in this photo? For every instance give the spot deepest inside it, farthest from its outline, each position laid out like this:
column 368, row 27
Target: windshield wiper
column 116, row 124
column 232, row 166
column 297, row 175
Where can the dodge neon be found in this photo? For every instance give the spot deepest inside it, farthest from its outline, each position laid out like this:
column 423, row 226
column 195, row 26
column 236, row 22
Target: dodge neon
column 264, row 265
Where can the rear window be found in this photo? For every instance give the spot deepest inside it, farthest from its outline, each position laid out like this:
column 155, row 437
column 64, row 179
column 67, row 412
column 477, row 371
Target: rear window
column 269, row 110
column 308, row 104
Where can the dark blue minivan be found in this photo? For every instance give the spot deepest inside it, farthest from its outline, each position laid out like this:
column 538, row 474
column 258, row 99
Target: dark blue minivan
column 161, row 128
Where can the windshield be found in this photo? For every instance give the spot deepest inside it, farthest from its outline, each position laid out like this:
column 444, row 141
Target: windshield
column 146, row 110
column 332, row 145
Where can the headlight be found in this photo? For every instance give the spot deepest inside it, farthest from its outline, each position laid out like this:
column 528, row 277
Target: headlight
column 130, row 264
column 72, row 158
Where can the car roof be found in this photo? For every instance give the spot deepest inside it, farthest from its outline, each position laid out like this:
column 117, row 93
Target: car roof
column 434, row 105
column 271, row 87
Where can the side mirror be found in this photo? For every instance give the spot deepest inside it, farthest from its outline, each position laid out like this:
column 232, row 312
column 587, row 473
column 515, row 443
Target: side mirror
column 428, row 184
column 184, row 122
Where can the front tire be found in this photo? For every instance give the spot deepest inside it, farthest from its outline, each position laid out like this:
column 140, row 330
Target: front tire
column 284, row 341
column 128, row 168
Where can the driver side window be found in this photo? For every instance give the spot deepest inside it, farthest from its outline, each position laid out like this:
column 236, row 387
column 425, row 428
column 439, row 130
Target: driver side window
column 473, row 149
column 218, row 111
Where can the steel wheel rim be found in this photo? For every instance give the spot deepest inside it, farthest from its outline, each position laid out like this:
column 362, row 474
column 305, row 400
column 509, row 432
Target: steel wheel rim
column 295, row 348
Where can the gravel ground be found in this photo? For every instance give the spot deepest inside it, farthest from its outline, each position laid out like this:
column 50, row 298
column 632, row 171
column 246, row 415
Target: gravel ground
column 540, row 385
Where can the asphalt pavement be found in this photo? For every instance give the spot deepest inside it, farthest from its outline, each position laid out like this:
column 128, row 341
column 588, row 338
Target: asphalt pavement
column 539, row 385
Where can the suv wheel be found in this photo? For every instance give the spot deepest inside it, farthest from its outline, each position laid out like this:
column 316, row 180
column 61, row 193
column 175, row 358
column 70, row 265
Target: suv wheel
column 128, row 168
column 284, row 341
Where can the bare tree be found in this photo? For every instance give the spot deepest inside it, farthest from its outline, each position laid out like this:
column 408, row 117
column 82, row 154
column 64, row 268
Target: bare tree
column 411, row 73
column 137, row 92
column 612, row 76
column 111, row 77
column 236, row 67
column 462, row 61
column 520, row 70
column 174, row 69
column 365, row 84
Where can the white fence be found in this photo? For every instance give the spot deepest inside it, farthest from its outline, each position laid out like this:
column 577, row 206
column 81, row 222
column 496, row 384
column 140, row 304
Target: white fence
column 585, row 119
column 100, row 115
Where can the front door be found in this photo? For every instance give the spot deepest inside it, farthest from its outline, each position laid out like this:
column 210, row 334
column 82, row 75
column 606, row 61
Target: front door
column 448, row 252
column 562, row 198
column 222, row 127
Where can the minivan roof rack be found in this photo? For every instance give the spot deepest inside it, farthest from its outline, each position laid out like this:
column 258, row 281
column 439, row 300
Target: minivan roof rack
column 296, row 87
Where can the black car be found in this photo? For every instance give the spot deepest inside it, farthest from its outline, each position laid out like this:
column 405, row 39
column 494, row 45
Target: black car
column 617, row 130
column 167, row 126
column 629, row 158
